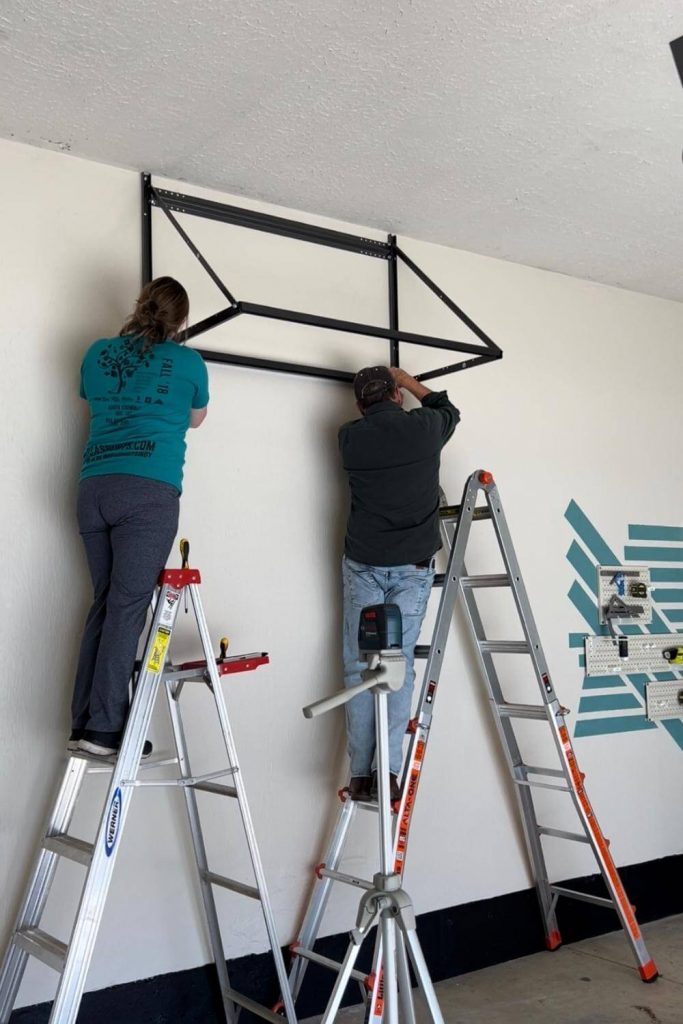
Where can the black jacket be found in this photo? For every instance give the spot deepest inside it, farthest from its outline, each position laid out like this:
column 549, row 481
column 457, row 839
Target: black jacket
column 392, row 458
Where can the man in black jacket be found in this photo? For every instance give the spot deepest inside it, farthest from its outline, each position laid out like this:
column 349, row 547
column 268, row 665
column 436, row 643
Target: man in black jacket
column 392, row 458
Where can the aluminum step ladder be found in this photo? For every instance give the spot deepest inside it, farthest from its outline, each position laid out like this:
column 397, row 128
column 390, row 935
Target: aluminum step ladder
column 456, row 523
column 71, row 960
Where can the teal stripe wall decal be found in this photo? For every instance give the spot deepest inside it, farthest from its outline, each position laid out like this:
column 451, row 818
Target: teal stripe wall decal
column 636, row 554
column 609, row 702
column 666, row 575
column 602, row 682
column 602, row 553
column 639, row 532
column 586, row 569
column 583, row 604
column 667, row 595
column 674, row 727
column 584, row 601
column 617, row 723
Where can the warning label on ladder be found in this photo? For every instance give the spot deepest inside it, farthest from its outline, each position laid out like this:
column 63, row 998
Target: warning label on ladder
column 159, row 645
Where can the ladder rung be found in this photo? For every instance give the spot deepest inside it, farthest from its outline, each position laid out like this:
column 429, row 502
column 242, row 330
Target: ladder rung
column 447, row 512
column 532, row 769
column 43, row 947
column 215, row 787
column 324, row 961
column 230, row 883
column 559, row 833
column 541, row 785
column 104, row 764
column 157, row 762
column 100, row 764
column 500, row 579
column 470, row 582
column 68, row 846
column 422, row 651
column 252, row 1007
column 587, row 897
column 367, row 805
column 522, row 710
column 503, row 646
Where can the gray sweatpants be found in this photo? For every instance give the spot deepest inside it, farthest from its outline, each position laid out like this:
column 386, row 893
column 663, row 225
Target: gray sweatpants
column 128, row 524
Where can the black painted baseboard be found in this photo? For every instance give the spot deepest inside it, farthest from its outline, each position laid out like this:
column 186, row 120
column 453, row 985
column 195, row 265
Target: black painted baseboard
column 454, row 940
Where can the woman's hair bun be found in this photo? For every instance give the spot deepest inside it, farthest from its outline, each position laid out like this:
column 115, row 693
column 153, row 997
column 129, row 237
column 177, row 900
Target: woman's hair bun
column 160, row 312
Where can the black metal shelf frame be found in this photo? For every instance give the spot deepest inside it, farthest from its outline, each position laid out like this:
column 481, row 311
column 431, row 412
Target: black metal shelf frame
column 171, row 203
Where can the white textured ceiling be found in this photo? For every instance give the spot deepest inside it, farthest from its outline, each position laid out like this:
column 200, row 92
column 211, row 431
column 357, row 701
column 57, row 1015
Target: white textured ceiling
column 540, row 131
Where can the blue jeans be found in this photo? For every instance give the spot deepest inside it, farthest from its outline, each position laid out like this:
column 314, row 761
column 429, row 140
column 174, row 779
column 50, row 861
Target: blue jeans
column 409, row 588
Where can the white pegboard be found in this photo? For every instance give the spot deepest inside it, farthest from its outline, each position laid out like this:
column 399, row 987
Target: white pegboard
column 664, row 700
column 609, row 579
column 644, row 654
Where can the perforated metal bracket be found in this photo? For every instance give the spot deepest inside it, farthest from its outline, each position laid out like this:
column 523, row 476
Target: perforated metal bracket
column 644, row 653
column 664, row 700
column 631, row 586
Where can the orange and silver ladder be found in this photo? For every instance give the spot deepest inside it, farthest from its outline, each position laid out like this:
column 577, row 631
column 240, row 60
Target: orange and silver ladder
column 70, row 960
column 564, row 776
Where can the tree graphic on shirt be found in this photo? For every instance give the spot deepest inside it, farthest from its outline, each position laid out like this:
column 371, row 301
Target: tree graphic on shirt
column 120, row 360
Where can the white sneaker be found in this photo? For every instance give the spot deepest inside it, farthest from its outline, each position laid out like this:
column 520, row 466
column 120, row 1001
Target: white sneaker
column 99, row 749
column 90, row 747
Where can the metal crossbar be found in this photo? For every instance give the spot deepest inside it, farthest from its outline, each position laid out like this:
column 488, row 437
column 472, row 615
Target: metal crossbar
column 173, row 203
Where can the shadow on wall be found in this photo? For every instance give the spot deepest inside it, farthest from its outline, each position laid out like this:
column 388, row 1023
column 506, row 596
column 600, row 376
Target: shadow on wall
column 51, row 487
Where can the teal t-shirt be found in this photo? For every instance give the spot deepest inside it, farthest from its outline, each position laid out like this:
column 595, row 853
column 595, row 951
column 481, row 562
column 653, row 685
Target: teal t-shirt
column 140, row 406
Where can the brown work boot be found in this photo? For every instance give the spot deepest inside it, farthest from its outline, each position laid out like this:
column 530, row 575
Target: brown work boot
column 359, row 788
column 394, row 788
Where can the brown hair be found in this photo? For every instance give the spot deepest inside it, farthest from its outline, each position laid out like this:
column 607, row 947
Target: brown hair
column 160, row 312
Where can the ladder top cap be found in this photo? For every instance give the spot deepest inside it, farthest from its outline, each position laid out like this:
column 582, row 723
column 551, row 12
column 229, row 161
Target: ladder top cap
column 179, row 578
column 485, row 477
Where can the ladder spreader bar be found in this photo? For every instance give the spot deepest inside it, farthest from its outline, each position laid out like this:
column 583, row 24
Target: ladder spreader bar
column 585, row 897
column 43, row 947
column 340, row 876
column 191, row 781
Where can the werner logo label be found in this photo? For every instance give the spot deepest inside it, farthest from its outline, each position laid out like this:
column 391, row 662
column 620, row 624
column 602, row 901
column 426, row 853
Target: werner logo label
column 113, row 819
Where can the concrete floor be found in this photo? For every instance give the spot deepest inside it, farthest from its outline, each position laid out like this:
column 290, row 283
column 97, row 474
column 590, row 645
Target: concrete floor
column 591, row 982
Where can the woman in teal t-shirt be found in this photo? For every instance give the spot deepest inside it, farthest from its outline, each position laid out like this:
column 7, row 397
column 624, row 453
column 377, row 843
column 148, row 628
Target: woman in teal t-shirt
column 144, row 390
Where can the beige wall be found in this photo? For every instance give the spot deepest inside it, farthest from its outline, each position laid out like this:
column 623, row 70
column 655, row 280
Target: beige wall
column 580, row 407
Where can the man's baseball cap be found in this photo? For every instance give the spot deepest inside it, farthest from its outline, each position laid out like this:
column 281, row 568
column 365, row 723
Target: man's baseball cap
column 373, row 382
